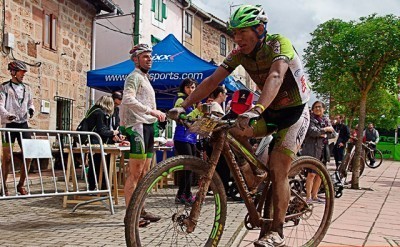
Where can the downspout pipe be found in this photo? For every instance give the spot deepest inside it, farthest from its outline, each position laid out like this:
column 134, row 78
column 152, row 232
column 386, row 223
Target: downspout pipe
column 183, row 19
column 136, row 31
column 93, row 62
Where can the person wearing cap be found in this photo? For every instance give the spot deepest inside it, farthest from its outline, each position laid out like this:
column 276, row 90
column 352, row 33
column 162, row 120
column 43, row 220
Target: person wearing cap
column 16, row 105
column 139, row 113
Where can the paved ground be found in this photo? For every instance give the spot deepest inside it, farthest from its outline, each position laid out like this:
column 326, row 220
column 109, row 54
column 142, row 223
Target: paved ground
column 44, row 222
column 366, row 217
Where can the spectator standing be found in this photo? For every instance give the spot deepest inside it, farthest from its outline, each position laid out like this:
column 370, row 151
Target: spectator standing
column 344, row 135
column 185, row 142
column 371, row 135
column 139, row 115
column 219, row 96
column 98, row 120
column 16, row 105
column 318, row 131
column 115, row 119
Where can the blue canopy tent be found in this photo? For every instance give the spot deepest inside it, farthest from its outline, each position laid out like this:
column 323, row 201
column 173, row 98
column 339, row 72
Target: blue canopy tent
column 172, row 62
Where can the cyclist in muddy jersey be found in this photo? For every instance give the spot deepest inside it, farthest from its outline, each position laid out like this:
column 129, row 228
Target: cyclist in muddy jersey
column 294, row 90
column 275, row 67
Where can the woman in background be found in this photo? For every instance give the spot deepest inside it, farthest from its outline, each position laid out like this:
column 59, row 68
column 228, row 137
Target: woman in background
column 99, row 121
column 185, row 142
column 318, row 130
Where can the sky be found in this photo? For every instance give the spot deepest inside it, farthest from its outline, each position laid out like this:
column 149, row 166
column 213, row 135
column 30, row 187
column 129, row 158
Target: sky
column 296, row 19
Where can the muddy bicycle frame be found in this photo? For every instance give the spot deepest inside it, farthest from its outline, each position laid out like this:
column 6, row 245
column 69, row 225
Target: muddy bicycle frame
column 224, row 143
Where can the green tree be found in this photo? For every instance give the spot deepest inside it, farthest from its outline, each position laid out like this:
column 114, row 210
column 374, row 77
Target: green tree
column 352, row 61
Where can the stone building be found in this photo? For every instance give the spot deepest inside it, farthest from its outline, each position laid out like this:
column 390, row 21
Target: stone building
column 54, row 38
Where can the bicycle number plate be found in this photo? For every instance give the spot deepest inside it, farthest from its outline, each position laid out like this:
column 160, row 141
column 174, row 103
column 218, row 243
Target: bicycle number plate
column 204, row 127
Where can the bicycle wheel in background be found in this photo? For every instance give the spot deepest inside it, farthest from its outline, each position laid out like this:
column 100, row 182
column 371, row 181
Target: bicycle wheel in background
column 378, row 159
column 170, row 230
column 306, row 224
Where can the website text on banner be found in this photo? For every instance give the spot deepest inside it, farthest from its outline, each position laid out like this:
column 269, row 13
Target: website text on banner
column 160, row 76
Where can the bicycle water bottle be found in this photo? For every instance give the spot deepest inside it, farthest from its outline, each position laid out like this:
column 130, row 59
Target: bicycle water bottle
column 262, row 150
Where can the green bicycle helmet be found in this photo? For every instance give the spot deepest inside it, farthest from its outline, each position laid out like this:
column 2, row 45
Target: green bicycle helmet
column 247, row 16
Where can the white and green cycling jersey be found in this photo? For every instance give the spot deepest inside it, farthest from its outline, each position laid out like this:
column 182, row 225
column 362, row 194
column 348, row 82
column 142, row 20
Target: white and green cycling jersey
column 295, row 90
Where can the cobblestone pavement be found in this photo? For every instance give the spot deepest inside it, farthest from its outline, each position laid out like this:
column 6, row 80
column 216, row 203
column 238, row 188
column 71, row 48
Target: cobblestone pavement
column 43, row 222
column 366, row 217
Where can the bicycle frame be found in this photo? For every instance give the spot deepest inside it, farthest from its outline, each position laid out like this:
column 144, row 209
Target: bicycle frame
column 225, row 144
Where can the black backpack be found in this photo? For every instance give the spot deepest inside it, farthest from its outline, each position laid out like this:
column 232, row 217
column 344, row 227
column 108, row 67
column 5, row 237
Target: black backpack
column 84, row 126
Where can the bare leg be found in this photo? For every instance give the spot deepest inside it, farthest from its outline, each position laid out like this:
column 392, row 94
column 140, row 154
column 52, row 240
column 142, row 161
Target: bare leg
column 5, row 164
column 146, row 168
column 309, row 184
column 315, row 189
column 279, row 167
column 23, row 172
column 134, row 170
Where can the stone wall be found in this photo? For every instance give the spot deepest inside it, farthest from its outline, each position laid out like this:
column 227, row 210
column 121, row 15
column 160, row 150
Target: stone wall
column 62, row 71
column 211, row 44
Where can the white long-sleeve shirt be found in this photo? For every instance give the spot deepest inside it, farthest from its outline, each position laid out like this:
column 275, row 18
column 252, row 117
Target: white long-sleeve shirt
column 139, row 99
column 15, row 99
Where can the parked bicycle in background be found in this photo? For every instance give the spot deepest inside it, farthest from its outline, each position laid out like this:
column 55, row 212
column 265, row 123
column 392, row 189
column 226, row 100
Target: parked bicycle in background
column 368, row 152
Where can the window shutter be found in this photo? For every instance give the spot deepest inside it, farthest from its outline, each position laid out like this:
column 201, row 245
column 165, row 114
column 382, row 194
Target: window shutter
column 153, row 5
column 164, row 10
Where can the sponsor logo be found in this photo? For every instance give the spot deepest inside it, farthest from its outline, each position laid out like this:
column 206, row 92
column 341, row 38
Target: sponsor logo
column 303, row 83
column 275, row 45
column 165, row 58
column 297, row 73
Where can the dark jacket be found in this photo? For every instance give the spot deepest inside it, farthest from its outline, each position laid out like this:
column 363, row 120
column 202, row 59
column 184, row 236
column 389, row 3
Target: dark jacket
column 344, row 133
column 115, row 120
column 314, row 142
column 99, row 121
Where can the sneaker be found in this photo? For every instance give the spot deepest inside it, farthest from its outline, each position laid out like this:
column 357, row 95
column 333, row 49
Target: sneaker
column 149, row 216
column 309, row 201
column 189, row 199
column 179, row 199
column 318, row 200
column 183, row 199
column 272, row 239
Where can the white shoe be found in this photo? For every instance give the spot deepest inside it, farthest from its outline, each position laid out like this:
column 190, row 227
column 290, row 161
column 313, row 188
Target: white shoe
column 272, row 239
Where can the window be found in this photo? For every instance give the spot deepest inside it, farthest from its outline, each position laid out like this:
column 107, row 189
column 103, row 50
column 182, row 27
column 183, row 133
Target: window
column 188, row 24
column 49, row 31
column 64, row 113
column 222, row 45
column 160, row 10
column 154, row 40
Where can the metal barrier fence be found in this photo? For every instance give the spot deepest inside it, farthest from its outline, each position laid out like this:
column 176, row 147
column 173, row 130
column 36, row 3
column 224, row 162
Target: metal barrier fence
column 57, row 155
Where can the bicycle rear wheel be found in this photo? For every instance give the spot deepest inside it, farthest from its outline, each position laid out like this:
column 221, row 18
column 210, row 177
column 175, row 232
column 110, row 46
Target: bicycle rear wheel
column 378, row 159
column 170, row 230
column 306, row 223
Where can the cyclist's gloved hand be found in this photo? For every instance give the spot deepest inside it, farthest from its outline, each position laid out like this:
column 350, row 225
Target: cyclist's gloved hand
column 31, row 111
column 174, row 113
column 243, row 120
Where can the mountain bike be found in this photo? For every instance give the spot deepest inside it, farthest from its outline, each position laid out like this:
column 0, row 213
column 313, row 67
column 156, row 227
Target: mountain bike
column 203, row 222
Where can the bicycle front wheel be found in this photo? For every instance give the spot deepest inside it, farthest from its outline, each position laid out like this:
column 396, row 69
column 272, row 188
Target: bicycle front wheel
column 162, row 201
column 377, row 156
column 306, row 223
